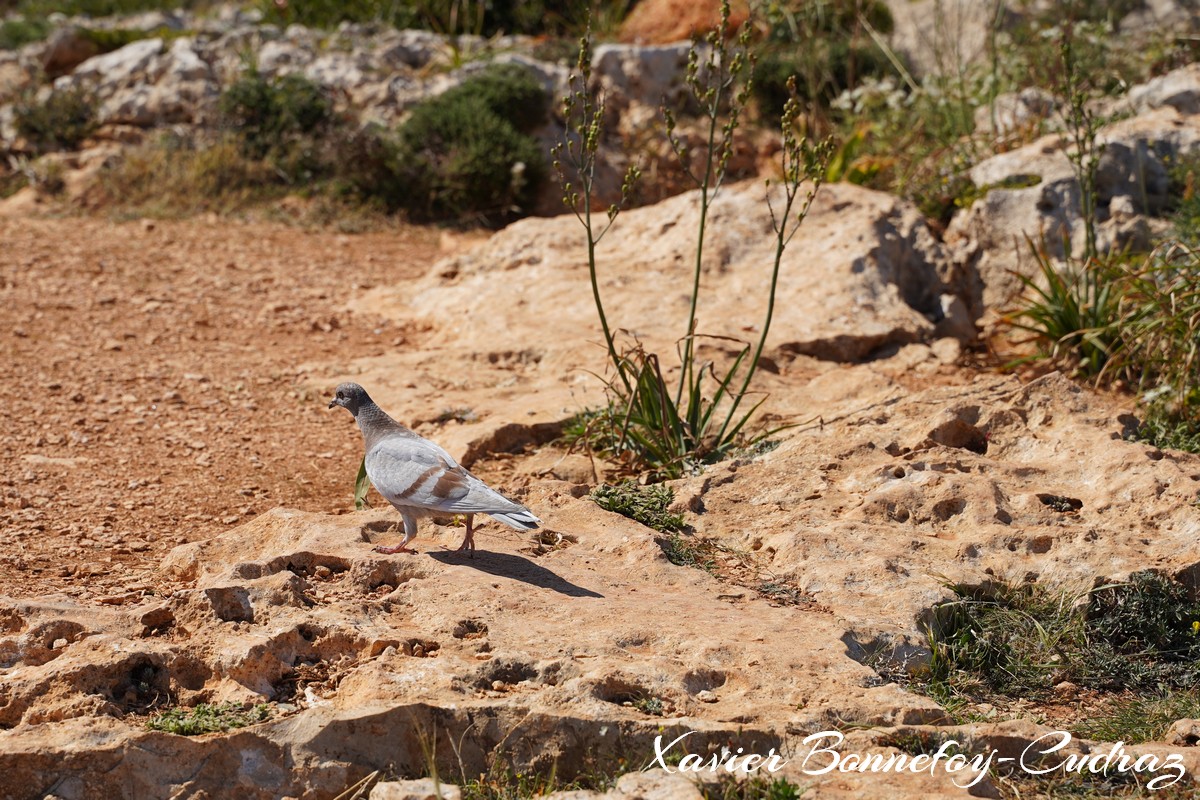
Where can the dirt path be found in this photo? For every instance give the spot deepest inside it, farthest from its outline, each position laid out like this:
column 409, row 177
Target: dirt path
column 150, row 386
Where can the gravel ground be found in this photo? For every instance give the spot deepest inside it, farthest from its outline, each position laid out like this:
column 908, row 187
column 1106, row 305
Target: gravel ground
column 150, row 386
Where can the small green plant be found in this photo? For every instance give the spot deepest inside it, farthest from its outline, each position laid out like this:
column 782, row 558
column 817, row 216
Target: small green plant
column 206, row 718
column 1083, row 126
column 362, row 485
column 1163, row 429
column 670, row 429
column 61, row 122
column 755, row 788
column 14, row 33
column 467, row 153
column 690, row 551
column 650, row 705
column 1074, row 313
column 645, row 504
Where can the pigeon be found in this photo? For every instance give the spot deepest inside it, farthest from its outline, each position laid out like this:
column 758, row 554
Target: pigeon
column 419, row 478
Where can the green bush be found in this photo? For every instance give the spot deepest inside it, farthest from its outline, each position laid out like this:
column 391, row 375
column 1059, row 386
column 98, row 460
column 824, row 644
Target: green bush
column 457, row 157
column 263, row 111
column 330, row 13
column 836, row 67
column 508, row 91
column 282, row 121
column 61, row 122
column 15, row 33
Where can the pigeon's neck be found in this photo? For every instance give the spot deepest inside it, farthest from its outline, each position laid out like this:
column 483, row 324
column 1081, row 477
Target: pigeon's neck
column 375, row 424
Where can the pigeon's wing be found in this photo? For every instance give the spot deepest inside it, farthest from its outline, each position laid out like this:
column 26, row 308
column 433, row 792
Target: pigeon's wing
column 411, row 471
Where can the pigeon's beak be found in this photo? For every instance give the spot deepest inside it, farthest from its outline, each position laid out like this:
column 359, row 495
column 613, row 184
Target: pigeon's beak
column 333, row 403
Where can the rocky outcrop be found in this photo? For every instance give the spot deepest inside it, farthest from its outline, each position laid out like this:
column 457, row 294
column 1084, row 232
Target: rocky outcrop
column 548, row 650
column 1033, row 192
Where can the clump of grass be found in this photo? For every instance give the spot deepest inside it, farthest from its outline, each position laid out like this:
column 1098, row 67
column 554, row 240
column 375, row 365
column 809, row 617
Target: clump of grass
column 645, row 504
column 1020, row 641
column 508, row 783
column 756, row 788
column 282, row 121
column 689, row 551
column 1136, row 719
column 174, row 176
column 61, row 122
column 1074, row 313
column 915, row 743
column 15, row 33
column 206, row 718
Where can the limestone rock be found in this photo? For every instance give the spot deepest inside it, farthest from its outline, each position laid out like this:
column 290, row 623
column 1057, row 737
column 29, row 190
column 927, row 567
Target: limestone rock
column 146, row 84
column 423, row 789
column 1132, row 173
column 65, row 49
column 1179, row 89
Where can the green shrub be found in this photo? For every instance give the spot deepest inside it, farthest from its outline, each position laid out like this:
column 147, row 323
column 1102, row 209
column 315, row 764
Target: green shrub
column 457, row 158
column 271, row 116
column 330, row 13
column 15, row 33
column 508, row 91
column 100, row 8
column 61, row 122
column 480, row 17
column 820, row 77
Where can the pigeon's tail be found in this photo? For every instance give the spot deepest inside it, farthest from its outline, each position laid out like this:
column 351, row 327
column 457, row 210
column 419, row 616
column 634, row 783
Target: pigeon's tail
column 522, row 520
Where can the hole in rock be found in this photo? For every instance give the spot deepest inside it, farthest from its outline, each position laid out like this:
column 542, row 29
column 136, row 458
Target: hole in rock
column 505, row 670
column 1063, row 505
column 470, row 629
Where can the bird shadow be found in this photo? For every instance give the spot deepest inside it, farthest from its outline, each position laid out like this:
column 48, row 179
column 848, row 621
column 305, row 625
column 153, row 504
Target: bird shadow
column 517, row 568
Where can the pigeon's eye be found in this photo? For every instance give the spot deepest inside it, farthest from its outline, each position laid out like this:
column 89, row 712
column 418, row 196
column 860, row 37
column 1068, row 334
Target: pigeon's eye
column 341, row 395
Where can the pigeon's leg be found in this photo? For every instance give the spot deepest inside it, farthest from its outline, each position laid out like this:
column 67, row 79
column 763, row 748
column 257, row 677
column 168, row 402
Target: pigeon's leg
column 410, row 533
column 468, row 542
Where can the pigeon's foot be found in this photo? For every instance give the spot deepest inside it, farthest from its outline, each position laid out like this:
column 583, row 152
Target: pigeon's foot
column 468, row 542
column 388, row 551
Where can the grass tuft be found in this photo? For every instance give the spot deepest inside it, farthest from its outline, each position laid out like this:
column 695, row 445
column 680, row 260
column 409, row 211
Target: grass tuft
column 1135, row 719
column 998, row 641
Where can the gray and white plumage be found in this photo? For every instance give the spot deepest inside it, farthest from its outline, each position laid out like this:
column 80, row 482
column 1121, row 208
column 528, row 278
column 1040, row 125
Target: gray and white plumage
column 419, row 478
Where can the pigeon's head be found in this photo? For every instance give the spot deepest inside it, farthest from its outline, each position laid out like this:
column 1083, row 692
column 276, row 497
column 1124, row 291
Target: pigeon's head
column 350, row 396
